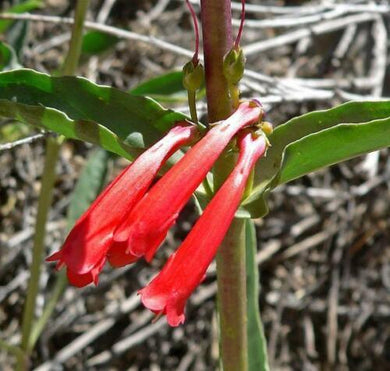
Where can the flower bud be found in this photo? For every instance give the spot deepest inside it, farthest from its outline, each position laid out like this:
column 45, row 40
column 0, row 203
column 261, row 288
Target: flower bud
column 266, row 127
column 234, row 65
column 193, row 76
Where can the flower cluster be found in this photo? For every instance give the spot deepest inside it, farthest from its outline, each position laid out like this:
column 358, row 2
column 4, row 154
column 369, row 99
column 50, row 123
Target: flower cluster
column 131, row 218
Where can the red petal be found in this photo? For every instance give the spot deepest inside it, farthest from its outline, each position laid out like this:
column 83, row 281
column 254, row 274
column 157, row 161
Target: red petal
column 148, row 223
column 118, row 257
column 79, row 280
column 185, row 269
column 88, row 242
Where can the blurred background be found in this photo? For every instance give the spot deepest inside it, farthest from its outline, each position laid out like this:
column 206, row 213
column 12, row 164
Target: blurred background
column 324, row 256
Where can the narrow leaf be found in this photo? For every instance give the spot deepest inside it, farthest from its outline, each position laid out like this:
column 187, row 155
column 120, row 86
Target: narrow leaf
column 23, row 7
column 51, row 119
column 8, row 59
column 79, row 109
column 95, row 42
column 331, row 146
column 17, row 37
column 269, row 167
column 257, row 345
column 165, row 88
column 89, row 184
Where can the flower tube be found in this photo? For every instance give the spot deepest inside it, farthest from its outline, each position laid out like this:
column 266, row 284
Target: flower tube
column 85, row 249
column 168, row 292
column 145, row 228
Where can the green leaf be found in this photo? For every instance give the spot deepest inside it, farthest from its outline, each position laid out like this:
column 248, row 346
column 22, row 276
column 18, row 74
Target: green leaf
column 13, row 131
column 331, row 146
column 77, row 108
column 17, row 37
column 257, row 345
column 95, row 42
column 89, row 184
column 282, row 164
column 26, row 6
column 167, row 87
column 8, row 59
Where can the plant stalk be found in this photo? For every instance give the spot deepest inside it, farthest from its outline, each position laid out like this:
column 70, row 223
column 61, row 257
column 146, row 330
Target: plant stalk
column 217, row 41
column 192, row 104
column 39, row 325
column 72, row 59
column 232, row 302
column 46, row 195
column 44, row 202
column 231, row 273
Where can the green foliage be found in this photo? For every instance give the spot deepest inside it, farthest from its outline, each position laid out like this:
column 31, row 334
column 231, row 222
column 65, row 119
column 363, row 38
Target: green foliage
column 8, row 59
column 316, row 140
column 126, row 123
column 257, row 345
column 23, row 7
column 13, row 131
column 89, row 184
column 77, row 108
column 332, row 146
column 164, row 88
column 16, row 37
column 95, row 42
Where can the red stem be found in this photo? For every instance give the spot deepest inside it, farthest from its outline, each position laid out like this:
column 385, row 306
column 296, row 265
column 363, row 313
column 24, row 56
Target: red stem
column 217, row 41
column 195, row 58
column 238, row 38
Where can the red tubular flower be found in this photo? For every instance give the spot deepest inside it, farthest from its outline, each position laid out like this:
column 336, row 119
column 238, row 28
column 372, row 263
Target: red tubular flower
column 168, row 291
column 147, row 225
column 85, row 249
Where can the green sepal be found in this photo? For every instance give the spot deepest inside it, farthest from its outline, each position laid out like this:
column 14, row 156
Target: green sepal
column 234, row 65
column 193, row 76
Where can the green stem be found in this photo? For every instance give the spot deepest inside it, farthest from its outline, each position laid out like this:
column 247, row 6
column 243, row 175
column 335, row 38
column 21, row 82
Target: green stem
column 73, row 57
column 234, row 94
column 44, row 202
column 217, row 41
column 39, row 325
column 192, row 105
column 232, row 299
column 231, row 273
column 45, row 198
column 16, row 351
column 207, row 188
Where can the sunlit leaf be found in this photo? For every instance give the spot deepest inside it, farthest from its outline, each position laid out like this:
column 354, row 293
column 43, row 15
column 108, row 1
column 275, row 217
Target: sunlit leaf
column 79, row 109
column 313, row 141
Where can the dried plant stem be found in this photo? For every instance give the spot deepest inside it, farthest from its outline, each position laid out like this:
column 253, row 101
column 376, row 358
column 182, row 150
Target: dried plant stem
column 217, row 41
